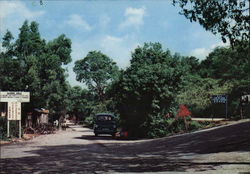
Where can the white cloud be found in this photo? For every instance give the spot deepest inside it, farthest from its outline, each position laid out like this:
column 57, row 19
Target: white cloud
column 119, row 48
column 202, row 53
column 78, row 22
column 13, row 13
column 104, row 20
column 8, row 8
column 220, row 44
column 77, row 50
column 134, row 17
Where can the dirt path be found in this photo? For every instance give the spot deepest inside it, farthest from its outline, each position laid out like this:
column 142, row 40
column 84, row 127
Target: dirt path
column 223, row 150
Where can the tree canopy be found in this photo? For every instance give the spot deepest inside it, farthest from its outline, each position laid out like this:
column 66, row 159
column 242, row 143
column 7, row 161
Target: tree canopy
column 31, row 64
column 154, row 84
column 229, row 18
column 97, row 71
column 147, row 88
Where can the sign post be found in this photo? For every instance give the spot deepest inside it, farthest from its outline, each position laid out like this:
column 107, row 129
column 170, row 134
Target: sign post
column 8, row 128
column 14, row 100
column 220, row 99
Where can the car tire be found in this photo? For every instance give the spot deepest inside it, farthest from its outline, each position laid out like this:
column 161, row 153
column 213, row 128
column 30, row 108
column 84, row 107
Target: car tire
column 96, row 134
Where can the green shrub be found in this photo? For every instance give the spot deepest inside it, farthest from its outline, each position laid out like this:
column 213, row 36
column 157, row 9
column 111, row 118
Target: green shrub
column 161, row 127
column 89, row 121
column 194, row 125
column 157, row 127
column 178, row 125
column 14, row 129
column 3, row 128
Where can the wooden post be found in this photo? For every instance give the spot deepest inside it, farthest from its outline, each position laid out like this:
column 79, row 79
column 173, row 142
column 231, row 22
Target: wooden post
column 241, row 111
column 20, row 129
column 8, row 128
column 226, row 109
column 185, row 122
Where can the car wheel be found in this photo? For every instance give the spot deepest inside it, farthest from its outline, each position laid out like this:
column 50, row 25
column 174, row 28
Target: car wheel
column 96, row 134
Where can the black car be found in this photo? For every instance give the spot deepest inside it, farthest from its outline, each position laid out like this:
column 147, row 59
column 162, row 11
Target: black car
column 105, row 123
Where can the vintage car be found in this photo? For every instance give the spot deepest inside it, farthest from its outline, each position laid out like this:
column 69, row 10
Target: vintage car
column 105, row 123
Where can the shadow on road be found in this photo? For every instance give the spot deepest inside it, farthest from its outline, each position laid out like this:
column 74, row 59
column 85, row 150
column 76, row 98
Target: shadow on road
column 164, row 154
column 104, row 137
column 93, row 137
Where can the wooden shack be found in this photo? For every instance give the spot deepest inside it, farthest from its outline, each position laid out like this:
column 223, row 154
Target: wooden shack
column 37, row 117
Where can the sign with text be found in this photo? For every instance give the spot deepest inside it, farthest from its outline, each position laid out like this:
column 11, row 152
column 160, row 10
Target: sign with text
column 245, row 99
column 14, row 111
column 219, row 99
column 14, row 96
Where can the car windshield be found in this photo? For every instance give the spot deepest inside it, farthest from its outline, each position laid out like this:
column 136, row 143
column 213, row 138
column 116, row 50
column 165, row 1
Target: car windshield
column 104, row 118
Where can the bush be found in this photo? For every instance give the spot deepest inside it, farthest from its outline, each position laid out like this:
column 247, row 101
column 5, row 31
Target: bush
column 3, row 128
column 177, row 125
column 161, row 127
column 158, row 127
column 194, row 125
column 89, row 121
column 14, row 129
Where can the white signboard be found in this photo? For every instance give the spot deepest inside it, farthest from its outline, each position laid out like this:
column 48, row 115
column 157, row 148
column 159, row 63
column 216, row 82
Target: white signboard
column 14, row 96
column 245, row 99
column 14, row 111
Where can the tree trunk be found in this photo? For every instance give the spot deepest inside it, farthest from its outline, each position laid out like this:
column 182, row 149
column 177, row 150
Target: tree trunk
column 186, row 124
column 61, row 119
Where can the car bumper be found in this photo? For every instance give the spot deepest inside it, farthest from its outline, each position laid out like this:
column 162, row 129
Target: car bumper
column 104, row 131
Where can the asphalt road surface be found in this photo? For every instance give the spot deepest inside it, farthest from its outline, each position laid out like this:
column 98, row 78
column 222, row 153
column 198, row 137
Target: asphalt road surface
column 221, row 150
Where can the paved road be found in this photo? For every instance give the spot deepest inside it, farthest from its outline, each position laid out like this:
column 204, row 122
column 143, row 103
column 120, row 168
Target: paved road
column 222, row 150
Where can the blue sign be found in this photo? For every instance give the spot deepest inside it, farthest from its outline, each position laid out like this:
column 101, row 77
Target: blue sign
column 219, row 99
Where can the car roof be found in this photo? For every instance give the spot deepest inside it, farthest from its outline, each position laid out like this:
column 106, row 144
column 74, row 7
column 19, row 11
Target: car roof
column 107, row 114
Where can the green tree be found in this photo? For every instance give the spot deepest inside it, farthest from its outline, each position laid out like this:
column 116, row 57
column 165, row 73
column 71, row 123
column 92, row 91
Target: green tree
column 31, row 64
column 7, row 42
column 224, row 71
column 80, row 101
column 228, row 18
column 7, row 63
column 146, row 90
column 226, row 64
column 196, row 93
column 97, row 71
column 229, row 67
column 52, row 74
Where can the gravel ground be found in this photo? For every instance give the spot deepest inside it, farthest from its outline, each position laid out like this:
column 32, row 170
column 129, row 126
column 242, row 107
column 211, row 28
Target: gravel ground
column 223, row 150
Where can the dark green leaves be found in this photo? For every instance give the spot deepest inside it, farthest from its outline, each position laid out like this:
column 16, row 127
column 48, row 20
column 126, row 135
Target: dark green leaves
column 31, row 64
column 228, row 18
column 147, row 88
column 97, row 71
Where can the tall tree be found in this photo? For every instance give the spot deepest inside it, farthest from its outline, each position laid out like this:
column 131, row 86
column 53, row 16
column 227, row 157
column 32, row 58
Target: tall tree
column 147, row 88
column 97, row 71
column 52, row 74
column 31, row 64
column 7, row 64
column 226, row 64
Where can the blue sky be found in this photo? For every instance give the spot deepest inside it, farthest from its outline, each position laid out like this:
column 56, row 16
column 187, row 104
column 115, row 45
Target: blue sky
column 115, row 27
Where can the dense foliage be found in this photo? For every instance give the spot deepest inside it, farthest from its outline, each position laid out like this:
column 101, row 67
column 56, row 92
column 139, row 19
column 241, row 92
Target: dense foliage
column 147, row 88
column 97, row 71
column 145, row 95
column 157, row 82
column 228, row 18
column 31, row 64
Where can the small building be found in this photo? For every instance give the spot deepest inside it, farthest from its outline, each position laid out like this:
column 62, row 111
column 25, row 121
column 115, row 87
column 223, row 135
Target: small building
column 37, row 117
column 42, row 116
